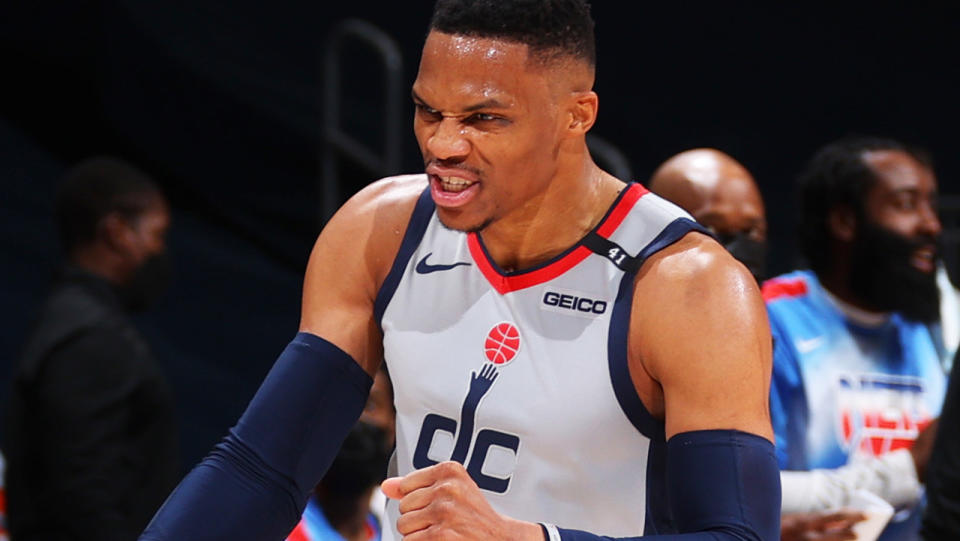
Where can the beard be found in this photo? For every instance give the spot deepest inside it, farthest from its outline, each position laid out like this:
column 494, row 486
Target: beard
column 882, row 275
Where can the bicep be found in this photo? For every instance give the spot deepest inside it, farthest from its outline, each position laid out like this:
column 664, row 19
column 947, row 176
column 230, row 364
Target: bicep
column 708, row 346
column 348, row 264
column 338, row 304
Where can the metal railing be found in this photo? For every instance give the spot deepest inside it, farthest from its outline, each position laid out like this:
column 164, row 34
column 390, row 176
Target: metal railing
column 336, row 143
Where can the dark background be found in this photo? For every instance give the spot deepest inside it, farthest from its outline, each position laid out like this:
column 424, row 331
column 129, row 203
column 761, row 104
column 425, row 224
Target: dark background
column 221, row 103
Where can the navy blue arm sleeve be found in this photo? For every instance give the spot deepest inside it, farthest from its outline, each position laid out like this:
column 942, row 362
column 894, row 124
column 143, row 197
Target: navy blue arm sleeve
column 255, row 483
column 723, row 485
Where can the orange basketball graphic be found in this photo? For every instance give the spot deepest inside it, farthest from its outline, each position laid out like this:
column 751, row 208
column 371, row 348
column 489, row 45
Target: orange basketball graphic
column 502, row 343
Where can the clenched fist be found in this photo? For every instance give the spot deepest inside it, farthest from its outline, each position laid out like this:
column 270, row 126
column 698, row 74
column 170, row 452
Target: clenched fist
column 443, row 502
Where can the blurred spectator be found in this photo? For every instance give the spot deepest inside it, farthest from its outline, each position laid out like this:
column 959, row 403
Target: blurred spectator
column 92, row 447
column 941, row 520
column 857, row 376
column 346, row 505
column 722, row 195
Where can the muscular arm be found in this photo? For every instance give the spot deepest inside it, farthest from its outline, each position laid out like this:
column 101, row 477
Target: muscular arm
column 256, row 482
column 350, row 261
column 702, row 358
column 702, row 361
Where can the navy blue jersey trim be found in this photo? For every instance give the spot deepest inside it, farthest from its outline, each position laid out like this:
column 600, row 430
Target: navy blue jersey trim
column 674, row 231
column 417, row 226
column 658, row 517
column 623, row 387
column 565, row 253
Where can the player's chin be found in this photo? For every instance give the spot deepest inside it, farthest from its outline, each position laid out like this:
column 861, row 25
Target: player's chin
column 459, row 220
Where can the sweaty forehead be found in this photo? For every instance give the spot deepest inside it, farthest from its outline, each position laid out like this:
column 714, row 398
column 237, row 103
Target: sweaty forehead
column 459, row 65
column 441, row 47
column 485, row 57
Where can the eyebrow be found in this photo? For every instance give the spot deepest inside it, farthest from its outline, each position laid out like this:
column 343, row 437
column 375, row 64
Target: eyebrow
column 486, row 104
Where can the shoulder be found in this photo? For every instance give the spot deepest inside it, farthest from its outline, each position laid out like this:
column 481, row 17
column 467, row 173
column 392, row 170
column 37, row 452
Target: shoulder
column 692, row 265
column 693, row 292
column 380, row 207
column 699, row 330
column 370, row 226
column 71, row 318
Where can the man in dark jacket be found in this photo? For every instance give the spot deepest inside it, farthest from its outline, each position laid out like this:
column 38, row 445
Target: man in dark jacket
column 92, row 446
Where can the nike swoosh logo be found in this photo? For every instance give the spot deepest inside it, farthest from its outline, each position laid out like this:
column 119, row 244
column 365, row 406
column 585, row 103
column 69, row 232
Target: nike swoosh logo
column 808, row 345
column 425, row 268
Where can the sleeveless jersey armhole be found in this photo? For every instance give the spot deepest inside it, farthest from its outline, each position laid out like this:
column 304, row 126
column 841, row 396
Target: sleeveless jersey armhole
column 416, row 227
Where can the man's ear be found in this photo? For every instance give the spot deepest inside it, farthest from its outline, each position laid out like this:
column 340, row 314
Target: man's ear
column 843, row 223
column 582, row 112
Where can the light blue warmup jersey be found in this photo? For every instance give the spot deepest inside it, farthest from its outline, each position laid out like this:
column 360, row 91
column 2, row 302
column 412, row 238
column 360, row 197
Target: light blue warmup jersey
column 522, row 376
column 841, row 392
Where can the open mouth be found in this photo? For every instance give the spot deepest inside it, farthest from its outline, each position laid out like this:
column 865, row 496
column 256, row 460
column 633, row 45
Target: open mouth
column 924, row 259
column 452, row 187
column 452, row 191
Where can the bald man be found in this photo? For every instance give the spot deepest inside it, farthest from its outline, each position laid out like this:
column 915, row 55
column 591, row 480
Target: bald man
column 722, row 195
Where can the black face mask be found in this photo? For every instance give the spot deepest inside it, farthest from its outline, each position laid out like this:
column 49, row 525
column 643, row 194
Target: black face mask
column 882, row 276
column 752, row 253
column 148, row 282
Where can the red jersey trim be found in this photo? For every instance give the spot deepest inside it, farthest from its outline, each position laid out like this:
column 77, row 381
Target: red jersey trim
column 299, row 533
column 514, row 282
column 777, row 288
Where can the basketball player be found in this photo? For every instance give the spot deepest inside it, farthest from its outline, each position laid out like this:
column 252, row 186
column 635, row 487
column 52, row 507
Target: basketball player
column 857, row 376
column 570, row 357
column 721, row 195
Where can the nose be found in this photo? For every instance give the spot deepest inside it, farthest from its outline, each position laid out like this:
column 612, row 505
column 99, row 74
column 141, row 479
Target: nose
column 448, row 140
column 929, row 221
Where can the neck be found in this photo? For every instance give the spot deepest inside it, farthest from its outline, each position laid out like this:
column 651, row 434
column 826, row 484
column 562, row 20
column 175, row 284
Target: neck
column 837, row 284
column 554, row 221
column 860, row 316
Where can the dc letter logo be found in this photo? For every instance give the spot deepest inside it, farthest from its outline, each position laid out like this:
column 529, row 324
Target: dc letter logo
column 500, row 347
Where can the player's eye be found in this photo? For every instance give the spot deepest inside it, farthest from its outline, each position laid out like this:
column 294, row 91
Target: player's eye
column 484, row 118
column 428, row 112
column 906, row 201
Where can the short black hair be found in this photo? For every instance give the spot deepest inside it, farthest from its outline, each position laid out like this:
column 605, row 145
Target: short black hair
column 550, row 28
column 94, row 188
column 838, row 175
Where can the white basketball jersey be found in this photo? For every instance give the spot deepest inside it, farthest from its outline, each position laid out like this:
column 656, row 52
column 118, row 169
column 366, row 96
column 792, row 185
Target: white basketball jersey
column 522, row 376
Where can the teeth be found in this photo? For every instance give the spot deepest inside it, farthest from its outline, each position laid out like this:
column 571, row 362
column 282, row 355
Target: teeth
column 455, row 181
column 455, row 184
